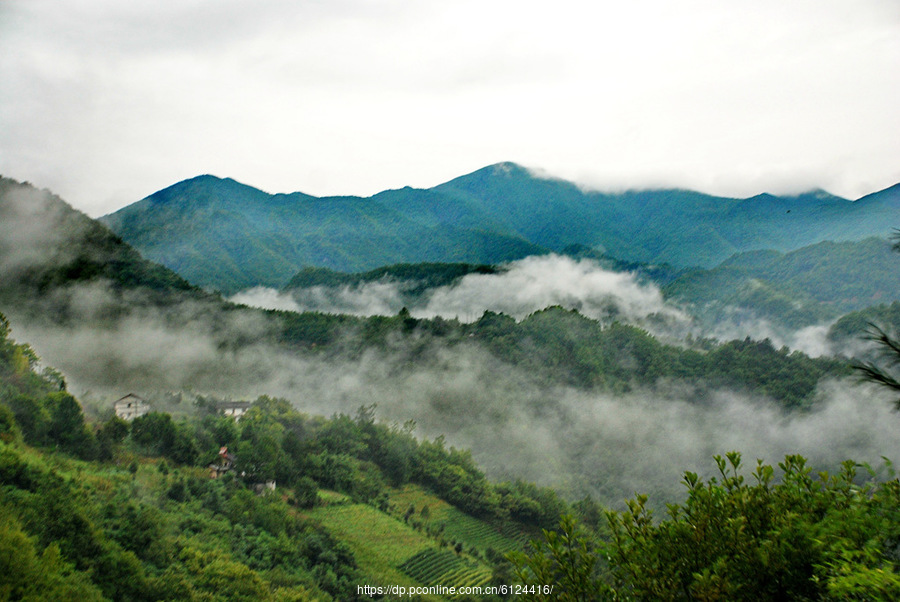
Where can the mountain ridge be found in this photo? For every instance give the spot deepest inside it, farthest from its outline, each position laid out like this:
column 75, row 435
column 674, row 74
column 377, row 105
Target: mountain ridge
column 222, row 234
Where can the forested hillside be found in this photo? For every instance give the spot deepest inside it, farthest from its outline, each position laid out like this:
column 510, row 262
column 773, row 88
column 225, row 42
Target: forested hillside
column 420, row 276
column 228, row 236
column 224, row 235
column 803, row 287
column 128, row 510
column 47, row 247
column 313, row 508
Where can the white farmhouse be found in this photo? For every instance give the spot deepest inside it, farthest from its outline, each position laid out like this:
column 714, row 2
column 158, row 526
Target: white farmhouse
column 235, row 409
column 130, row 407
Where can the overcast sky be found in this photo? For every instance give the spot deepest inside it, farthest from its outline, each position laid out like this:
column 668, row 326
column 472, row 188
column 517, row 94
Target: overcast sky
column 105, row 101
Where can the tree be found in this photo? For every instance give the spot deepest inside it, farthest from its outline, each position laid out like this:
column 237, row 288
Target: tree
column 884, row 373
column 27, row 573
column 32, row 416
column 112, row 433
column 306, row 492
column 154, row 430
column 114, row 430
column 66, row 428
column 822, row 537
column 804, row 538
column 563, row 567
column 9, row 430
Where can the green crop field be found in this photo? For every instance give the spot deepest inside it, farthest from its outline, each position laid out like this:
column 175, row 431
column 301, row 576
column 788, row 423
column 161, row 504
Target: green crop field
column 379, row 542
column 397, row 553
column 443, row 567
column 459, row 526
column 329, row 498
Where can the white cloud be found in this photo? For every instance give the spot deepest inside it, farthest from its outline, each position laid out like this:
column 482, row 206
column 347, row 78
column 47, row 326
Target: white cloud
column 266, row 298
column 521, row 288
column 537, row 282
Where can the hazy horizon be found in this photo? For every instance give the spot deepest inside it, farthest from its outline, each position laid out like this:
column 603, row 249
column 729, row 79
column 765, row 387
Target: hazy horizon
column 105, row 103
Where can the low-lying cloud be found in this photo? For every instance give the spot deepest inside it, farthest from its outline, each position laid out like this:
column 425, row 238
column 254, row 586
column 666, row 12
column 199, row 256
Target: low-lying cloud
column 517, row 426
column 811, row 340
column 534, row 283
column 537, row 282
column 519, row 289
column 383, row 298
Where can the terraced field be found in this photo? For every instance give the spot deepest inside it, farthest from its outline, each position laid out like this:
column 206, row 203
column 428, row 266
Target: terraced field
column 443, row 567
column 459, row 526
column 481, row 534
column 411, row 552
column 379, row 542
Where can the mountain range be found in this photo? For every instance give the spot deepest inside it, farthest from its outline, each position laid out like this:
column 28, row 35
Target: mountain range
column 224, row 235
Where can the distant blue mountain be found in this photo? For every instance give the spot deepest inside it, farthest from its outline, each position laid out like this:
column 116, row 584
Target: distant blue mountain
column 225, row 235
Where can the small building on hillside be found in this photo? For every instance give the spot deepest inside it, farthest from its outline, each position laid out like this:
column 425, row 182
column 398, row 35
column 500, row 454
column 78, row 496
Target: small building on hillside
column 235, row 409
column 223, row 464
column 130, row 407
column 264, row 488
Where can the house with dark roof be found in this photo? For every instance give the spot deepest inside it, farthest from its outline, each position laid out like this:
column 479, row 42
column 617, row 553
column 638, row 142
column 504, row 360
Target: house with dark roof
column 130, row 407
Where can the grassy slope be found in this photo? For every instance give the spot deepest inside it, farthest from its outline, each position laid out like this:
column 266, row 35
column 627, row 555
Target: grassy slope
column 418, row 551
column 386, row 548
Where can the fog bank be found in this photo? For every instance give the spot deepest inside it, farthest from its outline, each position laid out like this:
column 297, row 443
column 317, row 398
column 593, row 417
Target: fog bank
column 580, row 441
column 519, row 289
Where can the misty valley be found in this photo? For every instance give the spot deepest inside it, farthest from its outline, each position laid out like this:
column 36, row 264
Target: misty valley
column 502, row 381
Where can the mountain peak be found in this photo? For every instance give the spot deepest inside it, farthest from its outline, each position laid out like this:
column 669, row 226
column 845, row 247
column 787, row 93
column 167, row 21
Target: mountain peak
column 204, row 188
column 506, row 168
column 206, row 180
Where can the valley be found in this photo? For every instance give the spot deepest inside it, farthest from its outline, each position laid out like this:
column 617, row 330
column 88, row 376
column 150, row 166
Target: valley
column 427, row 398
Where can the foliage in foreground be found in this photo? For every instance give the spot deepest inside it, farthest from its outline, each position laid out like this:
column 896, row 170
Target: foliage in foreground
column 822, row 537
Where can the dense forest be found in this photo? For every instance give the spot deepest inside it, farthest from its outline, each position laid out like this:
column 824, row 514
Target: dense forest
column 565, row 347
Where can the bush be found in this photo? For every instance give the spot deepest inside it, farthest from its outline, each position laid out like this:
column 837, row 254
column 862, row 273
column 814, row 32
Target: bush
column 306, row 492
column 823, row 537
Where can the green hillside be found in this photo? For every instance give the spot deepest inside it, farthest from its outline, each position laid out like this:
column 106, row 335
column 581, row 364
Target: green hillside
column 224, row 235
column 680, row 227
column 847, row 330
column 106, row 509
column 423, row 275
column 135, row 515
column 807, row 286
column 47, row 245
